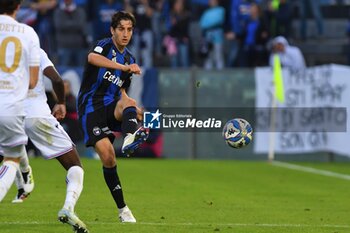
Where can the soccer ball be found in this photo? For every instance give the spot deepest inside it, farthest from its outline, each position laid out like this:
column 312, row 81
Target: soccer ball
column 237, row 133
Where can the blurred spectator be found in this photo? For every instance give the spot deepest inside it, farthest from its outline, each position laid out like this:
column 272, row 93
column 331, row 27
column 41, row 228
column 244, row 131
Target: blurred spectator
column 178, row 36
column 26, row 14
column 279, row 17
column 315, row 8
column 142, row 41
column 255, row 37
column 212, row 24
column 101, row 14
column 71, row 36
column 348, row 47
column 44, row 24
column 70, row 122
column 197, row 8
column 81, row 3
column 73, row 75
column 236, row 20
column 290, row 56
column 160, row 20
column 283, row 18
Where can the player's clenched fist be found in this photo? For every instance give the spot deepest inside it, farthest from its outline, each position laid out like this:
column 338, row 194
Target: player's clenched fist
column 59, row 111
column 133, row 68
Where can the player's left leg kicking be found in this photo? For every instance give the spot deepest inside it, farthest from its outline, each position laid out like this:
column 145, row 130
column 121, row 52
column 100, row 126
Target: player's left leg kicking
column 53, row 142
column 127, row 112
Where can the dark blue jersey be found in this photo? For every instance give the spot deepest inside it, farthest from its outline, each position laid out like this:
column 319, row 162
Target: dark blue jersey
column 101, row 86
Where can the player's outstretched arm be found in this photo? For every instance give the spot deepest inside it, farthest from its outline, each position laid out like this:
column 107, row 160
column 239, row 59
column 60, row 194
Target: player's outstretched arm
column 59, row 110
column 101, row 61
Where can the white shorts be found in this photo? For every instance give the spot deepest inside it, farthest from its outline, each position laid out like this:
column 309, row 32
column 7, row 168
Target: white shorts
column 12, row 136
column 48, row 136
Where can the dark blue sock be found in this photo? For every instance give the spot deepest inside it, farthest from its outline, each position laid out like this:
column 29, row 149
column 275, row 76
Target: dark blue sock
column 129, row 122
column 114, row 185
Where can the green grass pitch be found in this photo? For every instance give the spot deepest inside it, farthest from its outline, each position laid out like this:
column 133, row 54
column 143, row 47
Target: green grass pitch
column 189, row 196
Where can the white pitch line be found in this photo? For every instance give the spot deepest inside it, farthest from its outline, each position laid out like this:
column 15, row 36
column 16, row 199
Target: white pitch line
column 311, row 170
column 191, row 224
column 247, row 225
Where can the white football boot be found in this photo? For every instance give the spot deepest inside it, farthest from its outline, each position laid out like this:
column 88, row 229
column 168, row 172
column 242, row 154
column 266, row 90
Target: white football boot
column 125, row 215
column 28, row 185
column 133, row 141
column 69, row 217
column 20, row 197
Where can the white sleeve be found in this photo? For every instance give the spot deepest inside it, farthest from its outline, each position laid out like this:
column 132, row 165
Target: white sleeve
column 34, row 49
column 44, row 60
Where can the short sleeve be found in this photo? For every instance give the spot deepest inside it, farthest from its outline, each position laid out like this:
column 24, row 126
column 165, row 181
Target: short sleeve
column 44, row 60
column 34, row 48
column 101, row 48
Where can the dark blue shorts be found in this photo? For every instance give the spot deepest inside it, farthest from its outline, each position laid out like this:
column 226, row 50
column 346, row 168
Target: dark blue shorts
column 99, row 124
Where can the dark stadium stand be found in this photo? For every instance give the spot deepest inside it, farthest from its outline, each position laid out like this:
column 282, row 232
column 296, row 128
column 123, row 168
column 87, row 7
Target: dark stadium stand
column 333, row 46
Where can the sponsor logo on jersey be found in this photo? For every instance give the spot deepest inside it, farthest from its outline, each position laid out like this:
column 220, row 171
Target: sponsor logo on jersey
column 113, row 79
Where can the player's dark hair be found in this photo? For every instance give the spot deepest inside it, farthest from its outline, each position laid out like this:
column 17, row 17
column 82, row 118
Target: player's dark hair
column 9, row 6
column 122, row 15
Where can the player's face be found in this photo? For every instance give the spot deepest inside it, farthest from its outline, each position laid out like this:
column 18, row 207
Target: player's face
column 122, row 33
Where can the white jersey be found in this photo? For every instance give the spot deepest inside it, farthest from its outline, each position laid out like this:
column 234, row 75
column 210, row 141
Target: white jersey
column 19, row 49
column 36, row 103
column 41, row 126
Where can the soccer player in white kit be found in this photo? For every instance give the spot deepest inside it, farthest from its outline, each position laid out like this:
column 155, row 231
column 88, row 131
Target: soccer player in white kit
column 49, row 137
column 19, row 68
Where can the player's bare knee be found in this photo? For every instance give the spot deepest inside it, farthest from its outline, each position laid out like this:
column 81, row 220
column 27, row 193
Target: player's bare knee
column 107, row 155
column 108, row 162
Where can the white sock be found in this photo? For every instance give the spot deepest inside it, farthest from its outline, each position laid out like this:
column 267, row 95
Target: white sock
column 75, row 178
column 7, row 176
column 19, row 180
column 24, row 167
column 24, row 163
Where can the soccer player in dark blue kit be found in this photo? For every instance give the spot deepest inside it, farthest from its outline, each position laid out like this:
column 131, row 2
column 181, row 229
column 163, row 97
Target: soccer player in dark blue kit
column 104, row 106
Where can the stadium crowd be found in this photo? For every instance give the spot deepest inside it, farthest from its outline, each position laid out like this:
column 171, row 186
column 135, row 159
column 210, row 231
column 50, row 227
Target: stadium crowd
column 175, row 33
